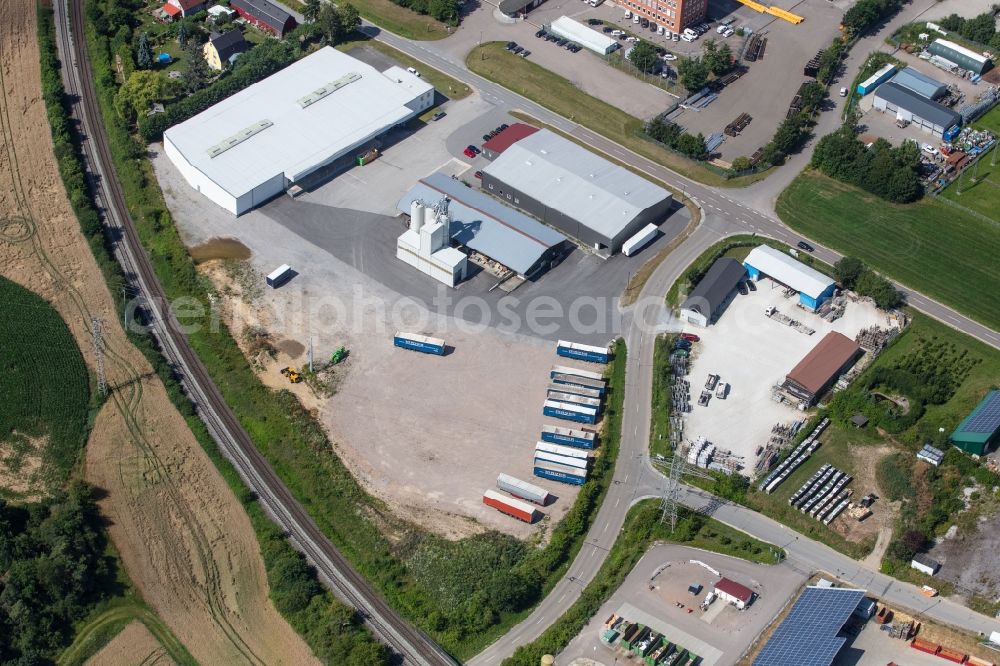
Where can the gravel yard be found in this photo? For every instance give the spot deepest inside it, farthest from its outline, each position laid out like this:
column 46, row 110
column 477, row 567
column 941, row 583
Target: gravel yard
column 752, row 353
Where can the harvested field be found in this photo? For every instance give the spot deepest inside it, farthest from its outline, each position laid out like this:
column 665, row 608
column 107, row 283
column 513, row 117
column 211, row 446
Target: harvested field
column 133, row 646
column 182, row 535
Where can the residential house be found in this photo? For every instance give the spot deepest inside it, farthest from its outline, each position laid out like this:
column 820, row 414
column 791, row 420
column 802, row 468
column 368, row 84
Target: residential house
column 222, row 49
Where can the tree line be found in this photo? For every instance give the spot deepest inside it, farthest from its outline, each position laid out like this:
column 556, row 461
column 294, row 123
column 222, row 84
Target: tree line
column 981, row 29
column 867, row 13
column 892, row 173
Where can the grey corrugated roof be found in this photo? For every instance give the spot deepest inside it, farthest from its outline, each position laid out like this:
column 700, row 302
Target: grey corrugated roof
column 920, row 83
column 576, row 182
column 715, row 287
column 271, row 14
column 484, row 224
column 917, row 105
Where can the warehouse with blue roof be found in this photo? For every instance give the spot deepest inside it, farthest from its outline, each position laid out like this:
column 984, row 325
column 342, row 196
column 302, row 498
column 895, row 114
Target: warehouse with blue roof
column 920, row 83
column 913, row 107
column 481, row 223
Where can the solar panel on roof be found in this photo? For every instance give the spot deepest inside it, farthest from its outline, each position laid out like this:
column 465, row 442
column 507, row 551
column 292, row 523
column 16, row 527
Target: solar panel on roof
column 987, row 419
column 808, row 635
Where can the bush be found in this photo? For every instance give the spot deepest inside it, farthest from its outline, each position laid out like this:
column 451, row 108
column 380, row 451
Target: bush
column 866, row 13
column 670, row 135
column 886, row 171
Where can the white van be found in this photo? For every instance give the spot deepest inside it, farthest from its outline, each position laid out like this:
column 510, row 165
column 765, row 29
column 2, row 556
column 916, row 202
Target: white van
column 628, row 14
column 660, row 30
column 413, row 71
column 690, row 33
column 635, row 19
column 687, row 38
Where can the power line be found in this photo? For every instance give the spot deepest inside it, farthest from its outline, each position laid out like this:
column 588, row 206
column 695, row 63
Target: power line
column 676, row 468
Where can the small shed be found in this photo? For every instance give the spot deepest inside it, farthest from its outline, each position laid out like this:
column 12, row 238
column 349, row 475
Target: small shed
column 925, row 563
column 734, row 593
column 859, row 420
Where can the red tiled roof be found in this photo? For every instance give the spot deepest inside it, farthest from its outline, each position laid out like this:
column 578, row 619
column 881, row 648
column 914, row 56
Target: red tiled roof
column 172, row 10
column 188, row 5
column 734, row 589
column 509, row 136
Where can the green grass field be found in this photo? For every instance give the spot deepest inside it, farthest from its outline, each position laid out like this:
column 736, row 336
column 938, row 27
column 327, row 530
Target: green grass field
column 928, row 246
column 558, row 94
column 982, row 194
column 45, row 388
column 402, row 21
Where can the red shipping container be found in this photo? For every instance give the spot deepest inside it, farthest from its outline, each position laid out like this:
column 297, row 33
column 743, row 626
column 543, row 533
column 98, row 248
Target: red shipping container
column 952, row 655
column 925, row 646
column 976, row 661
column 511, row 507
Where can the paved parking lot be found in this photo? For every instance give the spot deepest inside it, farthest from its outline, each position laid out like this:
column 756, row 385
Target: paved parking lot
column 752, row 353
column 770, row 84
column 719, row 635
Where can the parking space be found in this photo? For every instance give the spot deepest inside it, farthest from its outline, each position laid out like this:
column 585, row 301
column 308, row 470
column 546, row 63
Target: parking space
column 656, row 594
column 752, row 353
column 767, row 88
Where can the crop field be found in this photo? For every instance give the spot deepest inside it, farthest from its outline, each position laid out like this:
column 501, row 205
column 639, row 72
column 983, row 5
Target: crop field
column 929, row 246
column 45, row 388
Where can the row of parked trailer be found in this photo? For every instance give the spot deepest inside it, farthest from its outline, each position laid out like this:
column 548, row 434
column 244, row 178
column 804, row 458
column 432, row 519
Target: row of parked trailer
column 517, row 506
column 561, row 453
column 823, row 496
column 652, row 647
column 795, row 460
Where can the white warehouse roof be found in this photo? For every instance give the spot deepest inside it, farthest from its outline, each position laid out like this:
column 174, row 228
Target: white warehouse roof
column 296, row 120
column 958, row 48
column 786, row 270
column 577, row 32
column 576, row 182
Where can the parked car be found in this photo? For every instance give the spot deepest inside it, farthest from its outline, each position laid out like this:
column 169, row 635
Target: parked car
column 682, row 344
column 628, row 14
column 561, row 42
column 540, row 33
column 721, row 29
column 690, row 337
column 742, row 287
column 636, row 19
column 487, row 137
column 594, row 21
column 525, row 54
column 503, row 126
column 438, row 116
column 687, row 38
column 677, row 36
column 517, row 49
column 752, row 285
column 607, row 29
column 411, row 70
column 805, row 246
column 479, row 175
column 644, row 23
column 929, row 149
column 475, row 150
column 468, row 153
column 843, row 92
column 729, row 32
column 511, row 45
column 669, row 56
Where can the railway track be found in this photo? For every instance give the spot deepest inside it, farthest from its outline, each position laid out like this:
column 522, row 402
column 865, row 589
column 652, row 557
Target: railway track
column 409, row 643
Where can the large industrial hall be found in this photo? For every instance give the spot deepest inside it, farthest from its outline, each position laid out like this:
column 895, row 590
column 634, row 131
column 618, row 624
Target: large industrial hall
column 574, row 190
column 252, row 146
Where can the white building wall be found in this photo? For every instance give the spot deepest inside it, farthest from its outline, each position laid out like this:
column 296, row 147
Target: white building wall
column 199, row 180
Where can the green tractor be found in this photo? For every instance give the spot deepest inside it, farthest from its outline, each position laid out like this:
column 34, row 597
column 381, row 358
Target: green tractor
column 338, row 355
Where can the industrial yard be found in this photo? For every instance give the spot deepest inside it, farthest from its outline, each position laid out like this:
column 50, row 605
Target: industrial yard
column 752, row 353
column 656, row 595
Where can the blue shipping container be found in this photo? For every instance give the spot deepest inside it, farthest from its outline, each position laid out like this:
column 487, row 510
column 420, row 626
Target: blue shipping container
column 558, row 475
column 583, row 354
column 419, row 343
column 560, row 438
column 565, row 414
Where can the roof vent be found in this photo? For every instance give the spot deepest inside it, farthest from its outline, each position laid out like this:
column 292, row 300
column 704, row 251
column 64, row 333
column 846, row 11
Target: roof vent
column 528, row 162
column 543, row 151
column 592, row 176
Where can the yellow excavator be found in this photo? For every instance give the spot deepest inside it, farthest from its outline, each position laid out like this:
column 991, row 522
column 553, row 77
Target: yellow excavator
column 292, row 374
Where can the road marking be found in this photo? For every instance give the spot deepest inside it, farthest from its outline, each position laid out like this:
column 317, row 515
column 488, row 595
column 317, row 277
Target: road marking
column 618, row 501
column 626, row 479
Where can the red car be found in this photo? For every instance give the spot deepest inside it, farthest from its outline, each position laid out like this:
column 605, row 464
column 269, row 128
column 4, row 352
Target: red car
column 479, row 175
column 690, row 337
column 468, row 153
